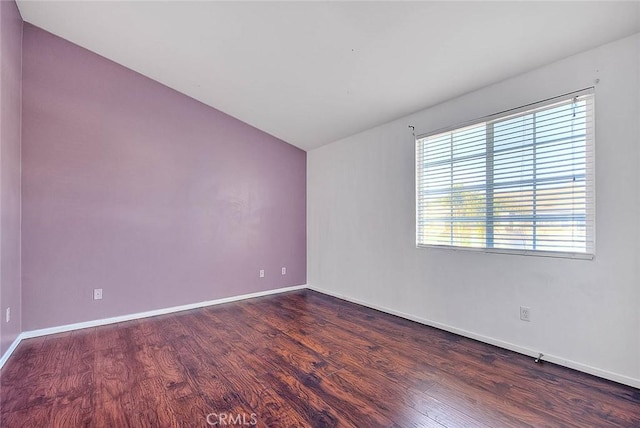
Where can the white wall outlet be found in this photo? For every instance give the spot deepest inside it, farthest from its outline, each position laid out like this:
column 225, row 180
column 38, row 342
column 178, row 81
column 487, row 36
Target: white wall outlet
column 284, row 270
column 525, row 313
column 97, row 294
column 8, row 314
column 261, row 273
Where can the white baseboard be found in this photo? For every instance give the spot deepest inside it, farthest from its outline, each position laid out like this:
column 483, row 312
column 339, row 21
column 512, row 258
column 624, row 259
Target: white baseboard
column 139, row 315
column 12, row 348
column 626, row 380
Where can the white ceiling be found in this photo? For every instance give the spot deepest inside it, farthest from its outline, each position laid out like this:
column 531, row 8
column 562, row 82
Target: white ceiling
column 313, row 72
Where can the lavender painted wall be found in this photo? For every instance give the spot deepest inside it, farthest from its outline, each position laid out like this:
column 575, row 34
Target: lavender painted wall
column 134, row 188
column 10, row 86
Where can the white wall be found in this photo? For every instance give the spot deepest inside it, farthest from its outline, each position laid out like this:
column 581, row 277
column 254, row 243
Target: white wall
column 585, row 314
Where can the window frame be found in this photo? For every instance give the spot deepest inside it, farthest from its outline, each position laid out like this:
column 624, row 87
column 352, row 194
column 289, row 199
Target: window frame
column 590, row 209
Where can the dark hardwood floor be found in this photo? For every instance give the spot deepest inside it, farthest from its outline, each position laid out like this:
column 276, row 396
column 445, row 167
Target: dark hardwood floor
column 296, row 359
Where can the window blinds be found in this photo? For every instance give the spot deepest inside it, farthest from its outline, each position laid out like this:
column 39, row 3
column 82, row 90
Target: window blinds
column 520, row 181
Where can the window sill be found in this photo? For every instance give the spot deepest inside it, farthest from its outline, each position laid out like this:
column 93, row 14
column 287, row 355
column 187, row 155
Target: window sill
column 536, row 253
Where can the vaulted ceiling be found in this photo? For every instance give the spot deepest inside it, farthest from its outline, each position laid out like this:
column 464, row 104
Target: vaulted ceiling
column 311, row 73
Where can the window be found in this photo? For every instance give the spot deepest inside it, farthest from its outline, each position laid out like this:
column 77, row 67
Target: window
column 516, row 182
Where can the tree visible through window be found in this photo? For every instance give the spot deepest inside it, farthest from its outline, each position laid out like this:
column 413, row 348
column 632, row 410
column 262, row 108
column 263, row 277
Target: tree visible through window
column 520, row 182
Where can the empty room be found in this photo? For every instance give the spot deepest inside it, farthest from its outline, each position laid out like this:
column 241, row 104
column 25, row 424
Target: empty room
column 319, row 214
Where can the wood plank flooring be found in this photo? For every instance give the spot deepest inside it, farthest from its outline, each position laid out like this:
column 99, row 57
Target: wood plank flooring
column 300, row 359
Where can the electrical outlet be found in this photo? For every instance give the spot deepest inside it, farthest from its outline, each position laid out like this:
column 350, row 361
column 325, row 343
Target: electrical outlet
column 8, row 314
column 284, row 270
column 97, row 294
column 261, row 273
column 525, row 313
